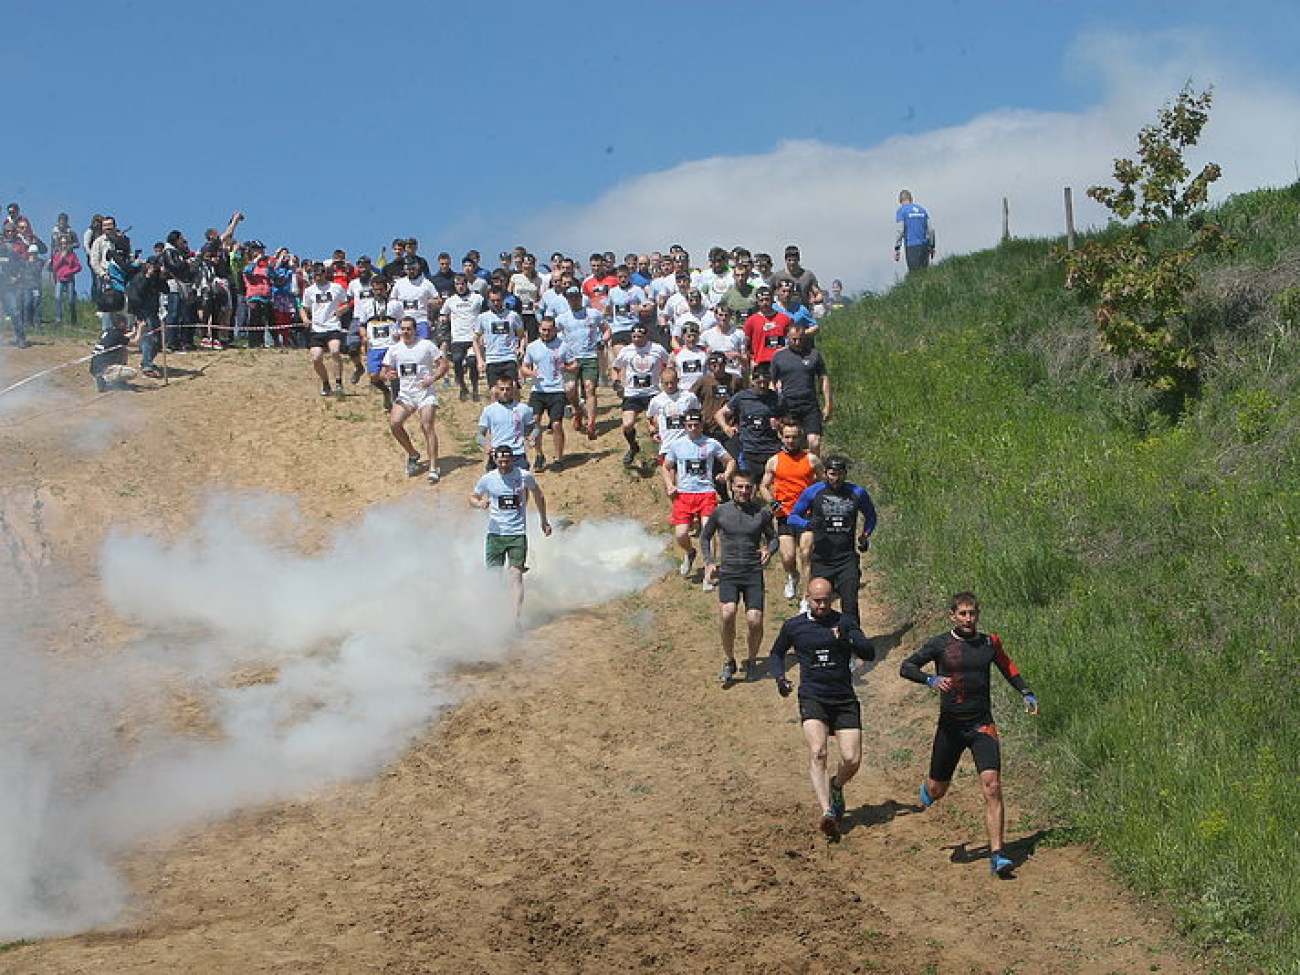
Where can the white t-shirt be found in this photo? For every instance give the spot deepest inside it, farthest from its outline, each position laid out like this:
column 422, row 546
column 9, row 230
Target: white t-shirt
column 528, row 291
column 323, row 306
column 415, row 297
column 669, row 410
column 730, row 344
column 640, row 368
column 380, row 323
column 414, row 363
column 692, row 364
column 461, row 314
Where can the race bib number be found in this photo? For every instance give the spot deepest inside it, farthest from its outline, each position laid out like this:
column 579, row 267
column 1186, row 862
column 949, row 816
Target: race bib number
column 508, row 502
column 837, row 525
column 324, row 299
column 675, row 422
column 528, row 306
column 407, row 369
column 721, row 392
column 758, row 422
column 774, row 341
column 695, row 468
column 410, row 304
column 622, row 311
column 500, row 328
column 380, row 331
column 640, row 382
column 692, row 365
column 366, row 295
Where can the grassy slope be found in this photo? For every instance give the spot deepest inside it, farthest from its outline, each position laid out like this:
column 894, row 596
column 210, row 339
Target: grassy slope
column 1142, row 567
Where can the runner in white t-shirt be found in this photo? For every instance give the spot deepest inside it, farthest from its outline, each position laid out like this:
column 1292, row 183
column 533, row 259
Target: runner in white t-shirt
column 377, row 317
column 417, row 364
column 666, row 414
column 323, row 304
column 419, row 297
column 460, row 310
column 730, row 341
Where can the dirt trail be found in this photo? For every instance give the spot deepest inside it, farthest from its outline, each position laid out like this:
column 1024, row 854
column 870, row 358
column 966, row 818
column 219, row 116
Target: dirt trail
column 596, row 805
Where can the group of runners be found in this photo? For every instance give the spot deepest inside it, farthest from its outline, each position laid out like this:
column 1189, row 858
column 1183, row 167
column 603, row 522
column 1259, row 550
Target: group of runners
column 718, row 366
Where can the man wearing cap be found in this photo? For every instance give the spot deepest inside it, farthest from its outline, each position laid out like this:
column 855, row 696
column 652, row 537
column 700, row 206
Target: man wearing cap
column 583, row 330
column 752, row 415
column 830, row 510
column 417, row 364
column 637, row 367
column 504, row 494
column 765, row 329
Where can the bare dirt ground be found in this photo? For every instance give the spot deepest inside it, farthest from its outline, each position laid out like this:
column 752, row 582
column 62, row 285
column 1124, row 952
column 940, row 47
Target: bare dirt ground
column 600, row 804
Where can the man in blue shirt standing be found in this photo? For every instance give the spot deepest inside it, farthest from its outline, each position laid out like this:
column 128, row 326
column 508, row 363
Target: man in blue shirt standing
column 915, row 233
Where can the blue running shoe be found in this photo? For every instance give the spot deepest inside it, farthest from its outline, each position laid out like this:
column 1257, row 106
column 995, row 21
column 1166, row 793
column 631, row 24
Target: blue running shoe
column 927, row 800
column 1000, row 864
column 837, row 799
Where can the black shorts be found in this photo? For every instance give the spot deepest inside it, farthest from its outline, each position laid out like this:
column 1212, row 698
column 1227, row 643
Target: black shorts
column 635, row 404
column 498, row 370
column 755, row 463
column 321, row 340
column 837, row 717
column 552, row 404
column 807, row 415
column 749, row 586
column 620, row 338
column 784, row 527
column 953, row 737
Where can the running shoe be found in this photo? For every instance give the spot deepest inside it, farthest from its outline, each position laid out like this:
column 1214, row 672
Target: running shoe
column 464, row 395
column 831, row 826
column 688, row 563
column 789, row 587
column 1000, row 865
column 338, row 386
column 434, row 476
column 325, row 390
column 707, row 586
column 539, row 462
column 728, row 673
column 837, row 799
column 628, row 460
column 413, row 466
column 927, row 800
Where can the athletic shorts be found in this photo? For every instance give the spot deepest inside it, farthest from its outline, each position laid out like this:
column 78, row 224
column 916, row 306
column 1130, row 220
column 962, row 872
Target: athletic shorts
column 588, row 371
column 783, row 527
column 551, row 404
column 953, row 737
column 353, row 343
column 731, row 589
column 837, row 717
column 635, row 404
column 754, row 463
column 375, row 360
column 688, row 507
column 808, row 416
column 418, row 400
column 321, row 340
column 499, row 548
column 499, row 370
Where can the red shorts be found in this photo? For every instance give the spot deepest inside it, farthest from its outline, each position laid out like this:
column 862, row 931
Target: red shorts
column 688, row 507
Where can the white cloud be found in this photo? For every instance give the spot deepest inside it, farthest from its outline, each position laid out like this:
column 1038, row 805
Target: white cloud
column 838, row 203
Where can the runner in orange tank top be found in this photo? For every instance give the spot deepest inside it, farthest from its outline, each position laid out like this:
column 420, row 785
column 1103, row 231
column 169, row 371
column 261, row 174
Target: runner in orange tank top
column 784, row 479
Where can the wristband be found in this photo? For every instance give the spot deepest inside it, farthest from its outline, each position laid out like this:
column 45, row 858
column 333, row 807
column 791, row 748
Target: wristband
column 932, row 680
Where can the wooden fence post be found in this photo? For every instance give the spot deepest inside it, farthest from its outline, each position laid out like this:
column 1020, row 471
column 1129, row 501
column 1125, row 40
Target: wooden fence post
column 1069, row 219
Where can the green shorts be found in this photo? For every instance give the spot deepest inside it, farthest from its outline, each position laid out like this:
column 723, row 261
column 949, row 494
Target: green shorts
column 588, row 369
column 500, row 546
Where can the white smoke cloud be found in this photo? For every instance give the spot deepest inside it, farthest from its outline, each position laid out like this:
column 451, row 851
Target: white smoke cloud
column 297, row 670
column 838, row 202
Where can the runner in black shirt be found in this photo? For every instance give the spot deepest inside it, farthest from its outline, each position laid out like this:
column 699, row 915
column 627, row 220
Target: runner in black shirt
column 753, row 416
column 825, row 641
column 962, row 660
column 830, row 510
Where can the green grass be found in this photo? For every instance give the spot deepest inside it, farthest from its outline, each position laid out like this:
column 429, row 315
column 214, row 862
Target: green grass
column 1139, row 560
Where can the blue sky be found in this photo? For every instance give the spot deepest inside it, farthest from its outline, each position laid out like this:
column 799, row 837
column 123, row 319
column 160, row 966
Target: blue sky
column 590, row 126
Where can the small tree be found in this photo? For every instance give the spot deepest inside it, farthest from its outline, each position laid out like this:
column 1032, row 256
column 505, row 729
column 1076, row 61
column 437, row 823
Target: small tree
column 1137, row 286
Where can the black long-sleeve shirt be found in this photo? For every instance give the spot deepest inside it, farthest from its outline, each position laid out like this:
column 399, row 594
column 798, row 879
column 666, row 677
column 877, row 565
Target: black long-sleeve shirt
column 825, row 647
column 967, row 661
